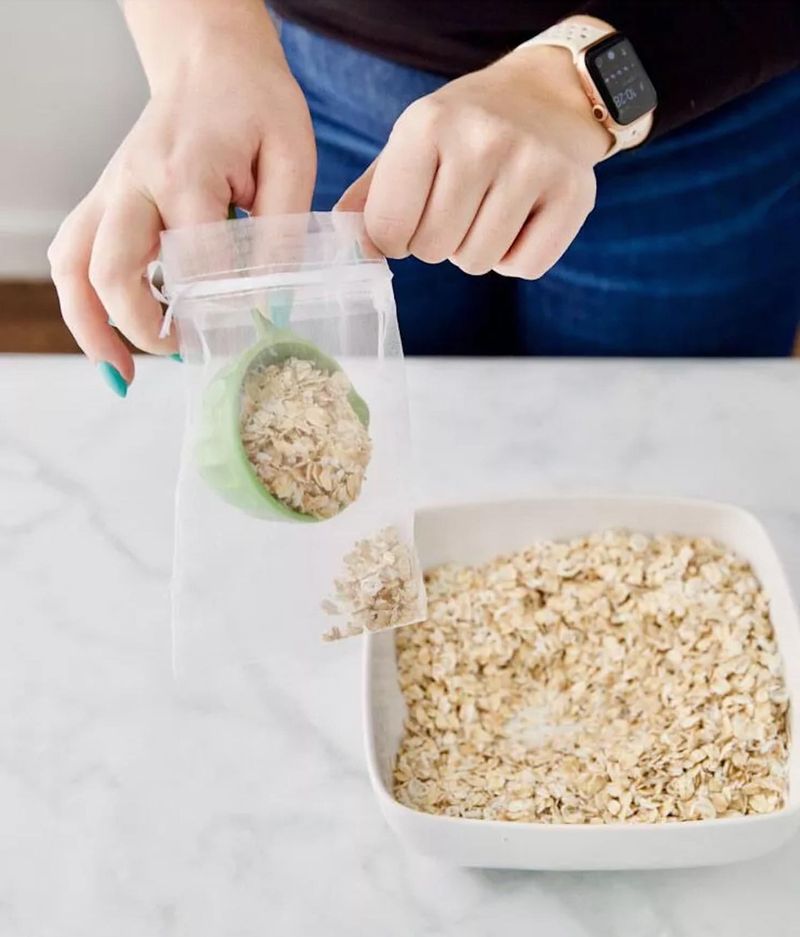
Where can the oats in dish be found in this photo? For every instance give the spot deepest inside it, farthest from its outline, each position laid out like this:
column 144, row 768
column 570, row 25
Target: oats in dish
column 616, row 677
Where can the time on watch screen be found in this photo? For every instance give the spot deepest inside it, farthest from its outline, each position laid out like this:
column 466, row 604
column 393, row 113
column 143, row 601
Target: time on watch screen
column 619, row 75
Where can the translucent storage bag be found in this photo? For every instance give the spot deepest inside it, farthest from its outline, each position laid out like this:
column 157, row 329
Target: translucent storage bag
column 293, row 507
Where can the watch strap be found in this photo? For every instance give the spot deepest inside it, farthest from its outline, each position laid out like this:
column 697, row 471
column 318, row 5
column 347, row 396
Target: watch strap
column 573, row 36
column 627, row 137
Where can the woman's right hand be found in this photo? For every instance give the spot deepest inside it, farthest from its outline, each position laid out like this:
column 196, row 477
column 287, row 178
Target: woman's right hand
column 226, row 123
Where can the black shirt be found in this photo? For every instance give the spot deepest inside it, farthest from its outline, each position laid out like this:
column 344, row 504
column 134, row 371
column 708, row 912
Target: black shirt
column 699, row 53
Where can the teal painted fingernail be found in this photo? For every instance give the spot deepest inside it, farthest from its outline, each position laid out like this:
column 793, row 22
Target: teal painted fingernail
column 113, row 378
column 177, row 356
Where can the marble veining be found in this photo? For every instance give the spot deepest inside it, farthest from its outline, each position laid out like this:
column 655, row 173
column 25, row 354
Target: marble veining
column 131, row 807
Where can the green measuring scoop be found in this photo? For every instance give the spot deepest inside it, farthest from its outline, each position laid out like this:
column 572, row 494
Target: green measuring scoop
column 219, row 452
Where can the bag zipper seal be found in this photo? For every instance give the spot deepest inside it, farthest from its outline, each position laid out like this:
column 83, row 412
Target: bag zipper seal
column 208, row 289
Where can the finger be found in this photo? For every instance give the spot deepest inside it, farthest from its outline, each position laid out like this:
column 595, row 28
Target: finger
column 542, row 240
column 399, row 190
column 127, row 240
column 284, row 181
column 453, row 203
column 196, row 201
column 242, row 184
column 355, row 195
column 500, row 218
column 81, row 309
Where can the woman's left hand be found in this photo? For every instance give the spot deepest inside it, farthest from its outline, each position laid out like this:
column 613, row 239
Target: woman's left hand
column 494, row 171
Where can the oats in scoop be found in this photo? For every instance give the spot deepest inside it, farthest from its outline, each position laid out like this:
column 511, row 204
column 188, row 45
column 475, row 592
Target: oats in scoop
column 303, row 437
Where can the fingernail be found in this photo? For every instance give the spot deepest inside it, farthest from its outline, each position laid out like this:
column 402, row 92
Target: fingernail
column 113, row 378
column 177, row 356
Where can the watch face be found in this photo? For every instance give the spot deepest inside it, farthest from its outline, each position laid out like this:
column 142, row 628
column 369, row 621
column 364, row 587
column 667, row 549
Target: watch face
column 621, row 79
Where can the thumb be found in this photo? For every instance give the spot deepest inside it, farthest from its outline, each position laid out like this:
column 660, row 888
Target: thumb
column 355, row 196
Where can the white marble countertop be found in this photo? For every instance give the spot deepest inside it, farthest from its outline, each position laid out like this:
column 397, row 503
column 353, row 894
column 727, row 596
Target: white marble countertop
column 126, row 811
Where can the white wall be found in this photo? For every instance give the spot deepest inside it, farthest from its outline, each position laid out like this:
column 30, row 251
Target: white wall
column 70, row 87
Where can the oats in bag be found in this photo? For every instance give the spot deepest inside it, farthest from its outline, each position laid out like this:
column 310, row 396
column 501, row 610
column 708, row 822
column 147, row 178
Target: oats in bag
column 294, row 511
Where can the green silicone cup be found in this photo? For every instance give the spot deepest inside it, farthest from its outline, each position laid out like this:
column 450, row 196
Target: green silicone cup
column 219, row 452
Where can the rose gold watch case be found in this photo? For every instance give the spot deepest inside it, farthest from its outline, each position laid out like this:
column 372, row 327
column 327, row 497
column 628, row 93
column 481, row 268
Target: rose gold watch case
column 626, row 136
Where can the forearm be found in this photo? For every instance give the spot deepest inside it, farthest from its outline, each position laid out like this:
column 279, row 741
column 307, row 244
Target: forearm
column 701, row 55
column 174, row 36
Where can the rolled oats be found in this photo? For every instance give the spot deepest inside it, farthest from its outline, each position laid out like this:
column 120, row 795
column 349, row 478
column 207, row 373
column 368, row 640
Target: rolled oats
column 616, row 677
column 303, row 437
column 381, row 587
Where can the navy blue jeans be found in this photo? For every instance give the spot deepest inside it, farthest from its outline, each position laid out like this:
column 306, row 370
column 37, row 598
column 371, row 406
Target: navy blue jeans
column 693, row 247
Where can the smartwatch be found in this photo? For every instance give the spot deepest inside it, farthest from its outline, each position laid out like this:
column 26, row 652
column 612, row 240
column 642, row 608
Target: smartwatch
column 621, row 94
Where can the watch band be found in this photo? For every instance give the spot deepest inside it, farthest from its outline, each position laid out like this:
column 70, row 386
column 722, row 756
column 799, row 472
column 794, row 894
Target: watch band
column 577, row 37
column 573, row 36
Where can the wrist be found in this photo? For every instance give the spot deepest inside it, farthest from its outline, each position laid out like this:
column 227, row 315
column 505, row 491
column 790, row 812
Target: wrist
column 548, row 74
column 176, row 38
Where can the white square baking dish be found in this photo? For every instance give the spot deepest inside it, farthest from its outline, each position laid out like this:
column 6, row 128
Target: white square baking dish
column 475, row 533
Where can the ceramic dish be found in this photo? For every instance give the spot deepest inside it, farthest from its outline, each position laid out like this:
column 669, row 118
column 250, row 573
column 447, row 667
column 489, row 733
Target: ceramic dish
column 475, row 533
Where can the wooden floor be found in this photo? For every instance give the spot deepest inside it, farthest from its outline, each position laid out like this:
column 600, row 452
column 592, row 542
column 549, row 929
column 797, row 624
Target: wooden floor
column 30, row 321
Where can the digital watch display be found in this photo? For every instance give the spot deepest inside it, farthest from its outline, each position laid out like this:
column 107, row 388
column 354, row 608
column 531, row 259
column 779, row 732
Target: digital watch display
column 621, row 79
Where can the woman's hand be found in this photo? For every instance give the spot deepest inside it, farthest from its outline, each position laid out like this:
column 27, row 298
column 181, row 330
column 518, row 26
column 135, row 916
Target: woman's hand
column 226, row 123
column 494, row 171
